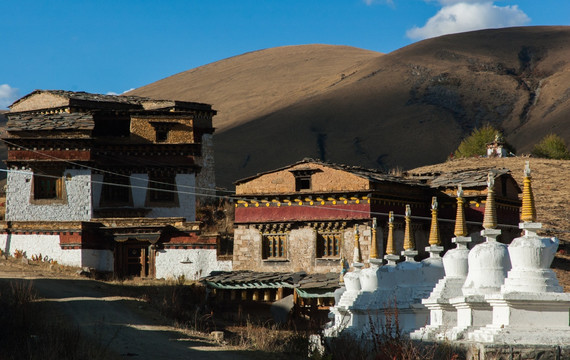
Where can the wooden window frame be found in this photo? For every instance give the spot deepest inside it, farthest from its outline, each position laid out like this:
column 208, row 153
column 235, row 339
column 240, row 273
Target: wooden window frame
column 54, row 193
column 304, row 179
column 274, row 246
column 329, row 244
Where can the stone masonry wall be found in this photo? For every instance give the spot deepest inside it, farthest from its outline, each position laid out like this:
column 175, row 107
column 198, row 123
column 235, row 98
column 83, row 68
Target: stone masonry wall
column 301, row 250
column 283, row 181
column 179, row 133
column 41, row 101
column 191, row 263
column 75, row 207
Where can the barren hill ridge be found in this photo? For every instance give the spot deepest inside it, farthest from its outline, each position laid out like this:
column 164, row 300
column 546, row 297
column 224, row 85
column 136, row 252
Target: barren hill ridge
column 407, row 108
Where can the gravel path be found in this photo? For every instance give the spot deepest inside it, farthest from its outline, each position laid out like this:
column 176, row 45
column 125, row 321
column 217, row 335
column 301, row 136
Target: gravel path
column 127, row 326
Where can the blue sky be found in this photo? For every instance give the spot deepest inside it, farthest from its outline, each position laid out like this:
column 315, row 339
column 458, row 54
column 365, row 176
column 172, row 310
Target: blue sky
column 110, row 46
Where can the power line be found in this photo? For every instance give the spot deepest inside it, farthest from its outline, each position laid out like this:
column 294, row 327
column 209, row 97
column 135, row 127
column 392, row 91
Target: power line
column 233, row 198
column 106, row 171
column 209, row 190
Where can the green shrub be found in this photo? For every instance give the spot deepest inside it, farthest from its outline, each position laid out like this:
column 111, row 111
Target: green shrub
column 551, row 146
column 476, row 143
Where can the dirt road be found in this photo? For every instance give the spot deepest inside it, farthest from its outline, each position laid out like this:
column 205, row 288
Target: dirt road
column 126, row 326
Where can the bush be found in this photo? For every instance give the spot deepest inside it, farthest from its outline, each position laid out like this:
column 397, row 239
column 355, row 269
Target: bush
column 551, row 146
column 476, row 143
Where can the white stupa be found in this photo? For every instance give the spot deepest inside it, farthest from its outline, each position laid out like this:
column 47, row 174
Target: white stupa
column 488, row 266
column 531, row 307
column 443, row 316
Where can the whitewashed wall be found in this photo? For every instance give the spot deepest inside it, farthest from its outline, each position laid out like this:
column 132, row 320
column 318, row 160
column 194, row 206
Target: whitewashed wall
column 185, row 184
column 206, row 178
column 186, row 200
column 48, row 245
column 77, row 206
column 139, row 184
column 192, row 263
column 96, row 188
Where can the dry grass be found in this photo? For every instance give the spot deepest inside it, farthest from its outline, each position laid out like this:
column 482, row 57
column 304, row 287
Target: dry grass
column 550, row 185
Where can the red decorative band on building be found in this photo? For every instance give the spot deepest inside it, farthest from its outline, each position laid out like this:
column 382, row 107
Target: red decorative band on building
column 316, row 212
column 78, row 155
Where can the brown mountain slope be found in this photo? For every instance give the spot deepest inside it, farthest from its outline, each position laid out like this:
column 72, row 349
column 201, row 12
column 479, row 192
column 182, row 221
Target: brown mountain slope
column 245, row 87
column 407, row 108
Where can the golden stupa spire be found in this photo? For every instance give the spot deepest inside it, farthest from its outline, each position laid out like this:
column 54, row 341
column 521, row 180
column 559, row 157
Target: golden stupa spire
column 408, row 234
column 490, row 217
column 528, row 211
column 390, row 242
column 460, row 226
column 356, row 258
column 373, row 240
column 434, row 230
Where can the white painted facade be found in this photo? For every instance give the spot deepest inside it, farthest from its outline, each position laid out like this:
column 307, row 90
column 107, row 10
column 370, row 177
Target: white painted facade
column 190, row 263
column 49, row 248
column 76, row 206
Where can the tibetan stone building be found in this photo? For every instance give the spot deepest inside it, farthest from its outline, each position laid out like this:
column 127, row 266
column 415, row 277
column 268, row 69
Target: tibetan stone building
column 110, row 182
column 309, row 215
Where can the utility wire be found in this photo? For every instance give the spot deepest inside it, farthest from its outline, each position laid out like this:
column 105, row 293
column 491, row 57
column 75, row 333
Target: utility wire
column 233, row 198
column 209, row 191
column 106, row 171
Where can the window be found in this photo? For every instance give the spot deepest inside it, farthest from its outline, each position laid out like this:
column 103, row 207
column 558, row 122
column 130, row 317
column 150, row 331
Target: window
column 275, row 246
column 161, row 130
column 302, row 183
column 116, row 189
column 161, row 135
column 162, row 190
column 303, row 178
column 328, row 244
column 48, row 187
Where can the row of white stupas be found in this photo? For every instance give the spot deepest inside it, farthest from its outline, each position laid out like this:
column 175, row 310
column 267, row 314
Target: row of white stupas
column 493, row 293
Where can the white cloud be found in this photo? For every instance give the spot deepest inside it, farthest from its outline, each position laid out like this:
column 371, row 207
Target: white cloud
column 114, row 93
column 387, row 2
column 8, row 95
column 467, row 16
